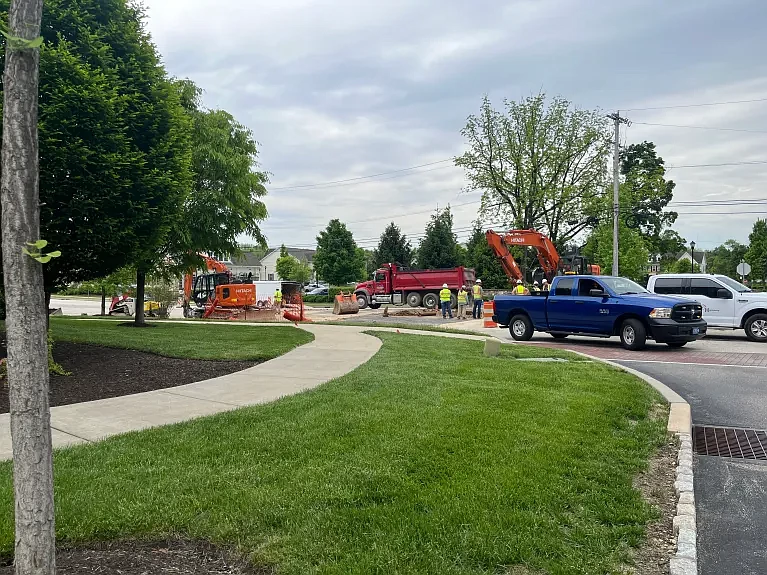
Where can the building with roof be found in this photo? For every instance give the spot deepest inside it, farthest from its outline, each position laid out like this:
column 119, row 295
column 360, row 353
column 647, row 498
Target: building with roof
column 264, row 268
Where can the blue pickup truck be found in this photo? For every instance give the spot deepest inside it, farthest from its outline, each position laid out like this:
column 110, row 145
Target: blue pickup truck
column 601, row 306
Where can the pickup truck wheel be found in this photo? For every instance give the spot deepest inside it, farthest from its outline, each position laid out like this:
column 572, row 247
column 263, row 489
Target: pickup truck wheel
column 633, row 334
column 676, row 343
column 413, row 299
column 521, row 328
column 756, row 327
column 557, row 335
column 362, row 300
column 430, row 300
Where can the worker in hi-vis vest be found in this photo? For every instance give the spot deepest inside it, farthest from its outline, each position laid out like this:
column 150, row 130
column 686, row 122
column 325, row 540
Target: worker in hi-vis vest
column 444, row 302
column 520, row 289
column 476, row 291
column 278, row 298
column 535, row 290
column 463, row 300
column 545, row 284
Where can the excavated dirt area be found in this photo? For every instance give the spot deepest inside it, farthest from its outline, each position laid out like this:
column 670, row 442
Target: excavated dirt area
column 145, row 558
column 101, row 372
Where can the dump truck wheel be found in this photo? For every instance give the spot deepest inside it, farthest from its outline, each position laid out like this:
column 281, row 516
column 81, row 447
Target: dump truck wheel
column 413, row 299
column 362, row 300
column 453, row 301
column 430, row 300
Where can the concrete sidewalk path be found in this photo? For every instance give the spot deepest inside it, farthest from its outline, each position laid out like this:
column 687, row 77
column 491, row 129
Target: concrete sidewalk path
column 333, row 353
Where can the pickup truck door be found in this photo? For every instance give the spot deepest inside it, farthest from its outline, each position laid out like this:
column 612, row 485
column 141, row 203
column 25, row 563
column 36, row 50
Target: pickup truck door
column 595, row 314
column 560, row 306
column 717, row 310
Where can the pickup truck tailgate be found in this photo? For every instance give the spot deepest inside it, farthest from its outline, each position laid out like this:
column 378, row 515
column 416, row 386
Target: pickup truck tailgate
column 507, row 306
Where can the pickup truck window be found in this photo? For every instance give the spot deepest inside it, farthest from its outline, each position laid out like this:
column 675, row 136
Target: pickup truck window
column 565, row 286
column 586, row 285
column 704, row 287
column 668, row 286
column 737, row 286
column 623, row 286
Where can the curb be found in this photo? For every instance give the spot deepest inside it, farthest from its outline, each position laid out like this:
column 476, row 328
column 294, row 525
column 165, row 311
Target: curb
column 685, row 560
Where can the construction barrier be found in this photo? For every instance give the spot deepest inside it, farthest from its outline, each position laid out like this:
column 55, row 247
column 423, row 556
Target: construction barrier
column 487, row 313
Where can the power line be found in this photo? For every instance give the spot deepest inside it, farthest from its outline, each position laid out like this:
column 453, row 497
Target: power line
column 747, row 163
column 695, row 105
column 361, row 177
column 701, row 127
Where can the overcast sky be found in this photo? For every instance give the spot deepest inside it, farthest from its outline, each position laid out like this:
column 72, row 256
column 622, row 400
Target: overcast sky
column 338, row 89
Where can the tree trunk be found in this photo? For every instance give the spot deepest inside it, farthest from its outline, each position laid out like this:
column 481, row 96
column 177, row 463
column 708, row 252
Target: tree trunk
column 140, row 284
column 35, row 549
column 103, row 300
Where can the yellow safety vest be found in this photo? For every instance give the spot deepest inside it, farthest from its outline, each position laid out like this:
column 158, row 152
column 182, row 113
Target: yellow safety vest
column 535, row 289
column 444, row 294
column 278, row 296
column 520, row 289
column 477, row 290
column 462, row 296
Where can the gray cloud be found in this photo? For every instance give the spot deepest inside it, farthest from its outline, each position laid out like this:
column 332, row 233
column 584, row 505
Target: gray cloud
column 337, row 89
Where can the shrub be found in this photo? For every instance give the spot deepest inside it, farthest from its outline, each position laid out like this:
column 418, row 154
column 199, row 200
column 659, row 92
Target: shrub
column 165, row 293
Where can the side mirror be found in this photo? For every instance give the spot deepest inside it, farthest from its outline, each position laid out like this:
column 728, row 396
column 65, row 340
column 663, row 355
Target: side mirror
column 722, row 293
column 597, row 293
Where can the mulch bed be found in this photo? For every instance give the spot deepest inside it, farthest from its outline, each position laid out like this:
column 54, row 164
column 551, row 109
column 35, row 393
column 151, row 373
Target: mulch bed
column 101, row 372
column 145, row 558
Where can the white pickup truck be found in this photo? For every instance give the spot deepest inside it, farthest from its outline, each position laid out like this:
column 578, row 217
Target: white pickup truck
column 727, row 304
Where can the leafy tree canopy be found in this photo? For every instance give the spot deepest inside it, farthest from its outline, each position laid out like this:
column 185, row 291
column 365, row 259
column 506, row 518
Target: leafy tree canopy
column 724, row 259
column 485, row 263
column 632, row 252
column 540, row 164
column 756, row 255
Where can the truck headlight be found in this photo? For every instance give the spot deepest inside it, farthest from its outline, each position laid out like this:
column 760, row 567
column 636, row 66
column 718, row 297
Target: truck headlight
column 661, row 313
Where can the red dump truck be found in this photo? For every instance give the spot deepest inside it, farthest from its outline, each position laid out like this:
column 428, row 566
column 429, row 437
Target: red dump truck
column 394, row 285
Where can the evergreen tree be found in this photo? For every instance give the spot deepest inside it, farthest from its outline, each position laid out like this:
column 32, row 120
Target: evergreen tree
column 338, row 260
column 438, row 247
column 393, row 247
column 484, row 261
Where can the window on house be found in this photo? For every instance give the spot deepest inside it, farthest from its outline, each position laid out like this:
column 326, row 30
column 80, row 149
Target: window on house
column 271, row 277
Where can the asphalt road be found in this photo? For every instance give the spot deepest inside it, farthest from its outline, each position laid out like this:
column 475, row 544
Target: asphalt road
column 731, row 494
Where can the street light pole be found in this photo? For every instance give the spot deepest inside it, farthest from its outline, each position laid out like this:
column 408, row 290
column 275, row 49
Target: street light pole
column 692, row 257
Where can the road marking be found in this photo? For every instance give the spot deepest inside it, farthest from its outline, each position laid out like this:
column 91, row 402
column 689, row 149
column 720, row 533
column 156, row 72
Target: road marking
column 690, row 363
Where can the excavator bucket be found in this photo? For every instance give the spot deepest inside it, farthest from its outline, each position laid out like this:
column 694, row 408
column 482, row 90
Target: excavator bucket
column 345, row 303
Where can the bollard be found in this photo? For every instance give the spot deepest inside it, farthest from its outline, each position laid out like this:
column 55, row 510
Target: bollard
column 492, row 347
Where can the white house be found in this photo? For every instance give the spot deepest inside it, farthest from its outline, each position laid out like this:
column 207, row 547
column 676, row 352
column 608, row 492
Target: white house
column 700, row 259
column 265, row 268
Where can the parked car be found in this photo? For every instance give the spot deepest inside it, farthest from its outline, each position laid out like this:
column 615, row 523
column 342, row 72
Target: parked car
column 319, row 291
column 601, row 306
column 727, row 303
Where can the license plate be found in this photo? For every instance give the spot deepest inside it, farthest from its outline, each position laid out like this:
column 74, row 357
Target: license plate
column 695, row 331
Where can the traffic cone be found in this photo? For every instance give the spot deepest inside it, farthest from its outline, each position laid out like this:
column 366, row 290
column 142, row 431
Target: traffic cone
column 487, row 313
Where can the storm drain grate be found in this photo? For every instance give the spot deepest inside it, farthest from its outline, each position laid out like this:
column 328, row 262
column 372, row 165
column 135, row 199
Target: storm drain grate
column 729, row 442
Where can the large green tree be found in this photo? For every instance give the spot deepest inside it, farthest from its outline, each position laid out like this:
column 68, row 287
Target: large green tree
column 756, row 255
column 645, row 194
column 338, row 260
column 632, row 251
column 484, row 261
column 285, row 265
column 724, row 259
column 539, row 164
column 438, row 248
column 393, row 247
column 111, row 147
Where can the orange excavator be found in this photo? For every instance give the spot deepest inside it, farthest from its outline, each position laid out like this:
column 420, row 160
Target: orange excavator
column 215, row 292
column 551, row 263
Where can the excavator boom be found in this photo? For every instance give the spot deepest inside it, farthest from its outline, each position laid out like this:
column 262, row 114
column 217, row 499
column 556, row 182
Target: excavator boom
column 501, row 245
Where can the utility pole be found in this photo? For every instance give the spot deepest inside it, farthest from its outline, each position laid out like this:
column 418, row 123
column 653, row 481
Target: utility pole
column 616, row 117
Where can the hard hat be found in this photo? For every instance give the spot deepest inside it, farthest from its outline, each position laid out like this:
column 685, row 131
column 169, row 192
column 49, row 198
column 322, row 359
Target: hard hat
column 463, row 287
column 519, row 281
column 479, row 281
column 444, row 285
column 535, row 283
column 545, row 281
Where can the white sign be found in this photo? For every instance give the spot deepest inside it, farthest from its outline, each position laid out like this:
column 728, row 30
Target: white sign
column 743, row 269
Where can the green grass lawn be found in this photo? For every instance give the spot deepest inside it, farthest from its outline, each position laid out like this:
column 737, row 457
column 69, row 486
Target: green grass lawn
column 429, row 459
column 187, row 340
